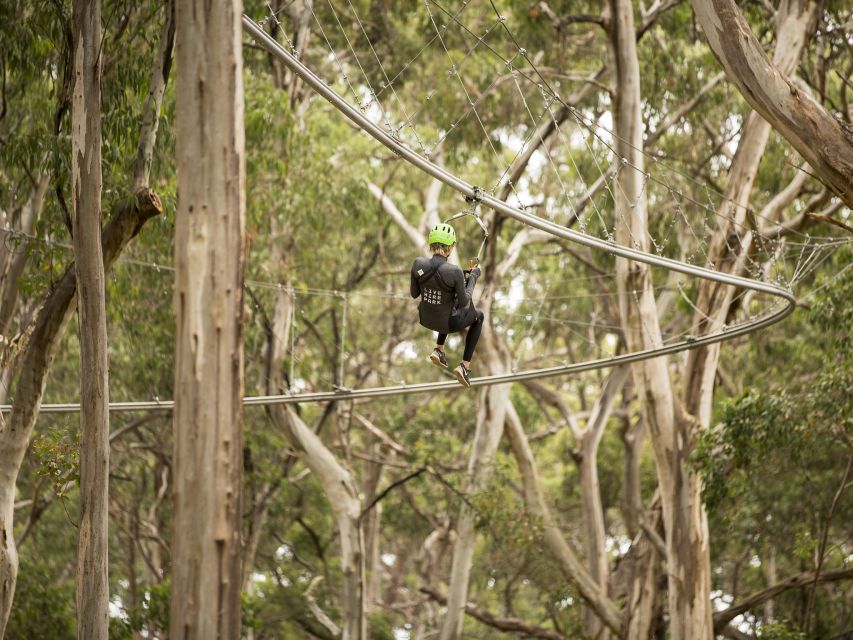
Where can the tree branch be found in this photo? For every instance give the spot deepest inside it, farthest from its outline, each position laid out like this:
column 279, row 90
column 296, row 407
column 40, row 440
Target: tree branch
column 154, row 101
column 823, row 141
column 378, row 433
column 654, row 12
column 515, row 625
column 321, row 616
column 414, row 474
column 388, row 206
column 675, row 116
column 830, row 220
column 722, row 618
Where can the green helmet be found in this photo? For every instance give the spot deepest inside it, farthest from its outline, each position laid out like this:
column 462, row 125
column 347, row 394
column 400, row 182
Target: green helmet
column 442, row 233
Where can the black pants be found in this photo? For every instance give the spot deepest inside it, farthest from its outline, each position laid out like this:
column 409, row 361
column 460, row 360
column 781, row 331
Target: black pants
column 472, row 318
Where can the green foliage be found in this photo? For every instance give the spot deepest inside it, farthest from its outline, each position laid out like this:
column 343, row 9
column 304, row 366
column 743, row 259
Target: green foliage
column 786, row 432
column 771, row 465
column 779, row 631
column 43, row 606
column 149, row 616
column 773, row 462
column 57, row 454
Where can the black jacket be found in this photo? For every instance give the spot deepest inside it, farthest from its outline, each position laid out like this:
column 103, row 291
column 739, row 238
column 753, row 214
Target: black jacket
column 443, row 291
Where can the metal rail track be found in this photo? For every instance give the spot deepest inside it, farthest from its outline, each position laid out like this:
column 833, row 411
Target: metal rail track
column 776, row 313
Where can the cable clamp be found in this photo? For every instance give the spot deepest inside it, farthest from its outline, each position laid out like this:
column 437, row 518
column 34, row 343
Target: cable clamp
column 477, row 197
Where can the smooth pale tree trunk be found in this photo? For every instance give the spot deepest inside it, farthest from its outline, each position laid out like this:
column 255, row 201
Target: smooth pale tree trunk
column 490, row 424
column 813, row 131
column 372, row 523
column 13, row 260
column 153, row 100
column 567, row 562
column 335, row 480
column 341, row 491
column 209, row 261
column 92, row 549
column 593, row 511
column 688, row 559
column 642, row 600
column 796, row 22
column 37, row 348
column 585, row 456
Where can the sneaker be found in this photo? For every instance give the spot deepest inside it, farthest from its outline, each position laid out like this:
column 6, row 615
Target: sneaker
column 463, row 374
column 437, row 358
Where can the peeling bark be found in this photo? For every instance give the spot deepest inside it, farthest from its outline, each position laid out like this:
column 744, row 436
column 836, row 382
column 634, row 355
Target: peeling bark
column 688, row 560
column 209, row 263
column 825, row 142
column 795, row 25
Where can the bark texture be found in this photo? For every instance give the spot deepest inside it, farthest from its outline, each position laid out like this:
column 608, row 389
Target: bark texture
column 490, row 420
column 12, row 260
column 825, row 142
column 567, row 562
column 796, row 21
column 686, row 528
column 336, row 481
column 92, row 550
column 153, row 101
column 37, row 350
column 587, row 460
column 209, row 255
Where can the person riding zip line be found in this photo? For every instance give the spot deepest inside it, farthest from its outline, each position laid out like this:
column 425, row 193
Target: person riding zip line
column 446, row 304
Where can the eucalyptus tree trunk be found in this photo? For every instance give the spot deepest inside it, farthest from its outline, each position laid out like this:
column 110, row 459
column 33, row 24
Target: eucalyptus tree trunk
column 92, row 550
column 585, row 456
column 209, row 256
column 795, row 21
column 823, row 140
column 153, row 100
column 36, row 350
column 593, row 511
column 12, row 261
column 372, row 527
column 688, row 559
column 39, row 347
column 642, row 589
column 341, row 491
column 567, row 562
column 490, row 422
column 335, row 480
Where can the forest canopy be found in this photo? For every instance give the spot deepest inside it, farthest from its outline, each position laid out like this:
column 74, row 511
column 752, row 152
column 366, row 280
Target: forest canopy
column 697, row 494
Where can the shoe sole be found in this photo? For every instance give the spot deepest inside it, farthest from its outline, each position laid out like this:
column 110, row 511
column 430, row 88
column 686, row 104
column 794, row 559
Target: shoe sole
column 436, row 361
column 460, row 376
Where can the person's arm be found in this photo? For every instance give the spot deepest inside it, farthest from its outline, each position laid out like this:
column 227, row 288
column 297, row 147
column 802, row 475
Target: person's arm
column 472, row 280
column 414, row 286
column 462, row 293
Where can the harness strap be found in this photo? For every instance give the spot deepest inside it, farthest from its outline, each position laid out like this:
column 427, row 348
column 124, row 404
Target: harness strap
column 426, row 277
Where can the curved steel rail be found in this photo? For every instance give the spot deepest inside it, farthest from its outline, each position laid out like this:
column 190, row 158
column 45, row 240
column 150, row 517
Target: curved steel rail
column 316, row 83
